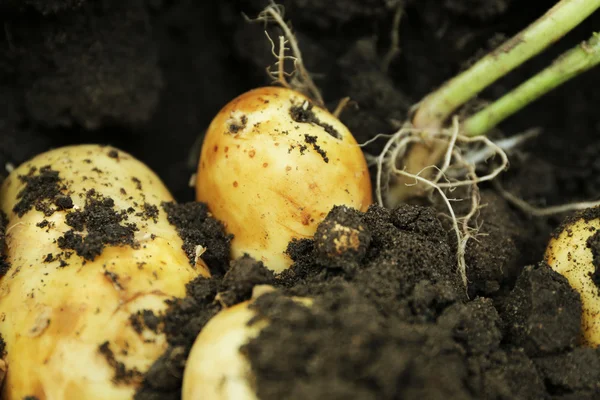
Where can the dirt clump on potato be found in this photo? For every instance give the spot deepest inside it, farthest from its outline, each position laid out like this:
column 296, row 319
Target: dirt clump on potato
column 103, row 226
column 43, row 190
column 186, row 317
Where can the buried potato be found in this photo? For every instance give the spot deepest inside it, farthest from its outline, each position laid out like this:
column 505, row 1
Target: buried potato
column 216, row 369
column 574, row 252
column 89, row 246
column 272, row 166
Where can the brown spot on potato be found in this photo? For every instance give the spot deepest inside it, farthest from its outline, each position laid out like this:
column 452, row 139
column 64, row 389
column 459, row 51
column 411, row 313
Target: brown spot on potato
column 305, row 218
column 235, row 184
column 226, row 149
column 288, row 168
column 265, row 165
column 216, row 148
column 252, row 153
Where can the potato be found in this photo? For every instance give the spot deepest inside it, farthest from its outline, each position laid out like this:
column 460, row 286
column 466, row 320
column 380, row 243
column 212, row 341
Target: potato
column 569, row 255
column 272, row 166
column 215, row 368
column 89, row 245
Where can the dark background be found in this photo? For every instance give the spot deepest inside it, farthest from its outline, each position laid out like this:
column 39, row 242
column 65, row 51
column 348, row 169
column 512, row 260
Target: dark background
column 148, row 76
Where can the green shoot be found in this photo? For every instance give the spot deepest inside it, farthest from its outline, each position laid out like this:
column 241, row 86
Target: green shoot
column 559, row 20
column 567, row 66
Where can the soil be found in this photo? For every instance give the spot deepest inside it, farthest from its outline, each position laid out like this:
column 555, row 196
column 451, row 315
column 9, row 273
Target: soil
column 390, row 317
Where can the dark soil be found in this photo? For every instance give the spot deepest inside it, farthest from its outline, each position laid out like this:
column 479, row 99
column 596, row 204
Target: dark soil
column 391, row 318
column 96, row 226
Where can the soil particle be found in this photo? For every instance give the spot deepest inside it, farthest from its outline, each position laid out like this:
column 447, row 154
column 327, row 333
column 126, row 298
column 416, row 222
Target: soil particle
column 242, row 276
column 304, row 113
column 197, row 228
column 182, row 323
column 103, row 224
column 496, row 256
column 166, row 373
column 122, row 373
column 4, row 265
column 237, row 124
column 593, row 243
column 575, row 372
column 149, row 211
column 542, row 314
column 145, row 319
column 42, row 190
column 312, row 140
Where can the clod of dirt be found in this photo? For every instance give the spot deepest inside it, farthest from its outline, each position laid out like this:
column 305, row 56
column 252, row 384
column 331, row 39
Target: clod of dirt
column 43, row 190
column 4, row 265
column 197, row 228
column 243, row 274
column 476, row 325
column 103, row 226
column 145, row 319
column 342, row 239
column 342, row 347
column 543, row 313
column 506, row 375
column 495, row 257
column 181, row 323
column 405, row 243
column 576, row 373
column 122, row 373
column 594, row 244
column 303, row 113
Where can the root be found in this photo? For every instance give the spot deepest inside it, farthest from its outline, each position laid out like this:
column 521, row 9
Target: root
column 543, row 211
column 299, row 78
column 394, row 49
column 457, row 170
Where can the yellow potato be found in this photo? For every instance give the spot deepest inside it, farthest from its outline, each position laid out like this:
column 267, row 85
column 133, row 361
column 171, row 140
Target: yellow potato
column 67, row 327
column 569, row 255
column 215, row 368
column 272, row 166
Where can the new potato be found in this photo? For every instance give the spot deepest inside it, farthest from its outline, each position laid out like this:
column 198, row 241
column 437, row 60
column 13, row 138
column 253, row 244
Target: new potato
column 569, row 255
column 55, row 318
column 215, row 368
column 272, row 166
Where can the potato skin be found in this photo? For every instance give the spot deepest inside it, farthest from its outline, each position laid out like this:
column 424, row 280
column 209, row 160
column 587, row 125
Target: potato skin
column 271, row 168
column 55, row 318
column 568, row 254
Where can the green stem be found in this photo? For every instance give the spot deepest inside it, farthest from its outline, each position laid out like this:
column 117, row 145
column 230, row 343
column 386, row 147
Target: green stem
column 570, row 64
column 553, row 25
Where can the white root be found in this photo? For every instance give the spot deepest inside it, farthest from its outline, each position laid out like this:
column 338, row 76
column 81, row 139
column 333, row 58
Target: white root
column 457, row 170
column 543, row 211
column 299, row 78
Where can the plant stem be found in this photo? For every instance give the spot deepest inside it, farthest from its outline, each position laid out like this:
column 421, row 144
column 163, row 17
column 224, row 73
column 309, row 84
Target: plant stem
column 558, row 21
column 570, row 64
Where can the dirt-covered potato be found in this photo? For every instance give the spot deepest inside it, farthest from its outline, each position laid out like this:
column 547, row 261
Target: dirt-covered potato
column 89, row 246
column 272, row 166
column 216, row 369
column 575, row 254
